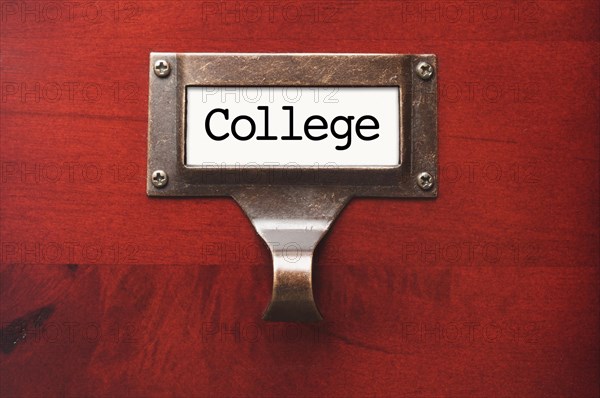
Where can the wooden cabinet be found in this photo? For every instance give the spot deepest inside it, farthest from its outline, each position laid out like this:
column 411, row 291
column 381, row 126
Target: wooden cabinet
column 491, row 289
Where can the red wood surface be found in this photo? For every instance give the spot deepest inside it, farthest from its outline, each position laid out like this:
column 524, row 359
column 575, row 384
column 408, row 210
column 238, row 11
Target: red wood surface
column 490, row 290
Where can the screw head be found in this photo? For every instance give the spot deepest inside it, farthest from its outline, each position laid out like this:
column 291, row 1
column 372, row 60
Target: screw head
column 162, row 68
column 425, row 181
column 424, row 70
column 159, row 178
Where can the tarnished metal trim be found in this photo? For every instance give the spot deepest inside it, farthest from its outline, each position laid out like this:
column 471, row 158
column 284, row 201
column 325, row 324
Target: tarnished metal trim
column 417, row 111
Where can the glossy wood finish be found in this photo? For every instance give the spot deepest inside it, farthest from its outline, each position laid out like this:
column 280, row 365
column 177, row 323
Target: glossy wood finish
column 491, row 289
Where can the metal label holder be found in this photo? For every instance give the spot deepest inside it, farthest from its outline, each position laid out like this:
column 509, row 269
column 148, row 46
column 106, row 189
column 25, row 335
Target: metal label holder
column 292, row 206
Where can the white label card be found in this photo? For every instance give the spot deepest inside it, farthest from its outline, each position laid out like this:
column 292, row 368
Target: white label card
column 303, row 126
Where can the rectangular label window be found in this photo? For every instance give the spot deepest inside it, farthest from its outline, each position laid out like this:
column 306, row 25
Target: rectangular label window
column 281, row 126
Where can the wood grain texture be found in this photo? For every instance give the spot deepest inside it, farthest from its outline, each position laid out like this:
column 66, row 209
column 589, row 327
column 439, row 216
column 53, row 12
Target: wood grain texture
column 490, row 290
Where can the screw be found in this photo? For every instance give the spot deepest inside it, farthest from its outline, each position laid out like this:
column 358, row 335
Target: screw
column 162, row 68
column 424, row 70
column 159, row 178
column 425, row 181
